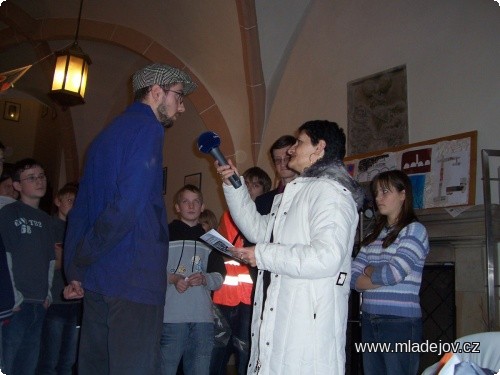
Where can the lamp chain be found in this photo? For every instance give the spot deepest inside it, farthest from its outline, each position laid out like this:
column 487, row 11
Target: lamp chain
column 78, row 24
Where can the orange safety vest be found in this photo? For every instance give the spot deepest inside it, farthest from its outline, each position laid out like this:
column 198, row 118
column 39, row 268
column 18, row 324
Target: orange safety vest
column 229, row 230
column 238, row 285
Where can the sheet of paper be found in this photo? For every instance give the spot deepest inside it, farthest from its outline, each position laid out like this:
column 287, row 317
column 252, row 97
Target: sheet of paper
column 217, row 241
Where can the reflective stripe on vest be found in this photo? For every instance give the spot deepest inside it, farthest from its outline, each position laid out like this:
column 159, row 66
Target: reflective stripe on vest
column 237, row 286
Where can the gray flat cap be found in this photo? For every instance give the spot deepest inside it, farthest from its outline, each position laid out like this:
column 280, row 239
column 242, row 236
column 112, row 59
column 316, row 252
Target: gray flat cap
column 162, row 74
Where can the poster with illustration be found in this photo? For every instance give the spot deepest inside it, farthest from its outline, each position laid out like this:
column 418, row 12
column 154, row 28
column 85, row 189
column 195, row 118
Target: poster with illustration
column 449, row 180
column 442, row 170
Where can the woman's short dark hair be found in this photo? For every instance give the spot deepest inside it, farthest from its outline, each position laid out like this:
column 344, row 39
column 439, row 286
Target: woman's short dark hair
column 331, row 133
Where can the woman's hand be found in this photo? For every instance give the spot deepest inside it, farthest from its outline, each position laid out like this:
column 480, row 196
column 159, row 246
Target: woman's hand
column 226, row 171
column 244, row 254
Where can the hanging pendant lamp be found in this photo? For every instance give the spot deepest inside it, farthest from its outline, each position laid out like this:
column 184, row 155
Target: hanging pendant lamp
column 70, row 76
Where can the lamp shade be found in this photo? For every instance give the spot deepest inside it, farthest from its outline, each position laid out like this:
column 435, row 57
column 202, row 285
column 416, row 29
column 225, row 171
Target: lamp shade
column 70, row 76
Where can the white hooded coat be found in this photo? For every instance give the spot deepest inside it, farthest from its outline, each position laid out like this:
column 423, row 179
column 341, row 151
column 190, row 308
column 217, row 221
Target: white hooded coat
column 313, row 223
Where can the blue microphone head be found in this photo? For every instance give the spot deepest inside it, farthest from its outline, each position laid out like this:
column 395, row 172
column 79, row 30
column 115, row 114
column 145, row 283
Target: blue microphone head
column 207, row 141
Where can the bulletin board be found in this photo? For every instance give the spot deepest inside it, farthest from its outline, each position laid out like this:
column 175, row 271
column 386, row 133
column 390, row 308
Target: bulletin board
column 442, row 170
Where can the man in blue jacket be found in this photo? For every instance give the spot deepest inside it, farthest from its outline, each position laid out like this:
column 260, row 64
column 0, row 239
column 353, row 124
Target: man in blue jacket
column 116, row 246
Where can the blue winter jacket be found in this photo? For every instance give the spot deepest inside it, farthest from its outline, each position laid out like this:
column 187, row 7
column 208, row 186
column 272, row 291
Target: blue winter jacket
column 117, row 236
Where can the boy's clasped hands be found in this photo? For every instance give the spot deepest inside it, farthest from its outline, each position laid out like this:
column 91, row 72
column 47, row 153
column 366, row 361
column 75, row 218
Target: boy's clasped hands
column 183, row 283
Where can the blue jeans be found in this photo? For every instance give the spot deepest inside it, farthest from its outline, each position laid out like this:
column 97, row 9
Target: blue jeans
column 239, row 318
column 59, row 339
column 21, row 339
column 390, row 329
column 193, row 342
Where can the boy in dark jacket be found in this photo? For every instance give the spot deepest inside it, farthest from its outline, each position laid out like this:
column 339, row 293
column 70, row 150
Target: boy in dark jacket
column 193, row 272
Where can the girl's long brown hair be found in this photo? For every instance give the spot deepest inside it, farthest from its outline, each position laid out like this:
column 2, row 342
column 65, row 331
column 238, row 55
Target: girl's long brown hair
column 398, row 180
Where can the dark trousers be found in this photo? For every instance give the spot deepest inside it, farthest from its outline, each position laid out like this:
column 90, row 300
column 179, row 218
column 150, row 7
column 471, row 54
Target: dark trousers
column 240, row 319
column 119, row 337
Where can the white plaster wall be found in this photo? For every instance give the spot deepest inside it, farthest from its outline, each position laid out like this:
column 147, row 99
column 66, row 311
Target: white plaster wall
column 451, row 49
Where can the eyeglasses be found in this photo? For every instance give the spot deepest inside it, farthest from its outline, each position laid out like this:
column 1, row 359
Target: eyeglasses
column 180, row 95
column 284, row 160
column 32, row 179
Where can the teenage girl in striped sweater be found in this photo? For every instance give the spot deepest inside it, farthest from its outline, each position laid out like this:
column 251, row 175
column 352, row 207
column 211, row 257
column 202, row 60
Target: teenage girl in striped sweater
column 388, row 271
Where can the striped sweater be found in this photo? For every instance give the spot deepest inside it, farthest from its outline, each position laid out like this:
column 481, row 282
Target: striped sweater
column 398, row 268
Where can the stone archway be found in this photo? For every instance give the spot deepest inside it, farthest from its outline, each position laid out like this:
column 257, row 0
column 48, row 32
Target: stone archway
column 23, row 28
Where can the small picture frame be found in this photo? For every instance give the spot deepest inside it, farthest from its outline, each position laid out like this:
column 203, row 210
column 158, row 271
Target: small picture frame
column 11, row 111
column 193, row 179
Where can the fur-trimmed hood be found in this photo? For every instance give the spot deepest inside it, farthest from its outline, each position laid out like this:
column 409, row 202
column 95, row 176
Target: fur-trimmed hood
column 335, row 170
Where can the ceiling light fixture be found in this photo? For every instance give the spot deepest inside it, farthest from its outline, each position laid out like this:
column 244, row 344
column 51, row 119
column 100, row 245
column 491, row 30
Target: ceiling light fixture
column 70, row 76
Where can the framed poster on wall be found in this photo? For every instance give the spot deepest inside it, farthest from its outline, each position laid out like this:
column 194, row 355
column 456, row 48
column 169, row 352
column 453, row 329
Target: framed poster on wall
column 377, row 111
column 442, row 170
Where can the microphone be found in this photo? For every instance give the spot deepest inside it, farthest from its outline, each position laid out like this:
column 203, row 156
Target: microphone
column 209, row 143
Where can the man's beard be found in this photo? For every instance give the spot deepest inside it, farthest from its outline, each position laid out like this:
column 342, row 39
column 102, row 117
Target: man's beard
column 164, row 119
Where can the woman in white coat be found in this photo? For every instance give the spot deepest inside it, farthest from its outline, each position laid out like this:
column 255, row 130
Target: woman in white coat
column 306, row 243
